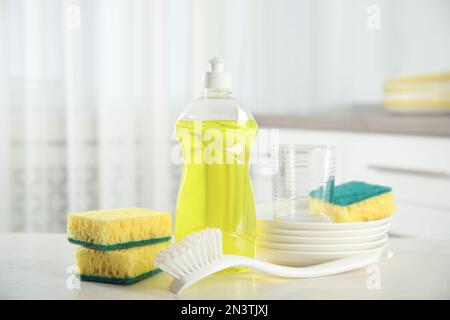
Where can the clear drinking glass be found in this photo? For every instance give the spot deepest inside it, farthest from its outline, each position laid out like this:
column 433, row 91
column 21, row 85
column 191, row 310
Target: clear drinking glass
column 303, row 182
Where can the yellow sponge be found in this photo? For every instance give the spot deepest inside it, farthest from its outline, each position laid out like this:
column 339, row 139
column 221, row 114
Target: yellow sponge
column 125, row 266
column 119, row 228
column 355, row 202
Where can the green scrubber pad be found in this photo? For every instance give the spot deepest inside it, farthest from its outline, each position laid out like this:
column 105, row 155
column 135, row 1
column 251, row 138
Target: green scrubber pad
column 119, row 228
column 125, row 266
column 352, row 192
column 123, row 281
column 354, row 201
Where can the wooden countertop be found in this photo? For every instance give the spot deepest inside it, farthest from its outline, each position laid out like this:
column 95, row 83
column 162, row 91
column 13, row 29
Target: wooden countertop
column 371, row 122
column 38, row 266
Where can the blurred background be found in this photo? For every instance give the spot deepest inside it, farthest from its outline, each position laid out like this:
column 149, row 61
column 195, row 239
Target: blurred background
column 90, row 91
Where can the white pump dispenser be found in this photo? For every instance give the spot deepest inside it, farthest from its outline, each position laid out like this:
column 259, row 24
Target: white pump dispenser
column 216, row 77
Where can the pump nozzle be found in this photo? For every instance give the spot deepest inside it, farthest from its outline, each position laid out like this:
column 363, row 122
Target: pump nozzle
column 216, row 64
column 216, row 78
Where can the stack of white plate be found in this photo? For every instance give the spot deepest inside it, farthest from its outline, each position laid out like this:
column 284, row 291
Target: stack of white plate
column 305, row 243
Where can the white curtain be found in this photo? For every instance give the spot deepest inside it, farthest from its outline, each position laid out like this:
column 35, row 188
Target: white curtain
column 90, row 89
column 85, row 118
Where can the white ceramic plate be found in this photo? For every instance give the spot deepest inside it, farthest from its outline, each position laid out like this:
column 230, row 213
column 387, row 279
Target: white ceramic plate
column 304, row 259
column 323, row 234
column 268, row 237
column 291, row 225
column 296, row 247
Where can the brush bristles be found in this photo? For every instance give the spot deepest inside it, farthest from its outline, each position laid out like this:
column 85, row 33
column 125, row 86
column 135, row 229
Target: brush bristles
column 193, row 252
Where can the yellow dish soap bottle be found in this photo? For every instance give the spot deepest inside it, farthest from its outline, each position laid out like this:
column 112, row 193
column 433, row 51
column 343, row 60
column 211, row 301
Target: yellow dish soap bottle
column 216, row 135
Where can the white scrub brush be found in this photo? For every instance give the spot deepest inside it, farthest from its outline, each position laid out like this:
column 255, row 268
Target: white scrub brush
column 199, row 255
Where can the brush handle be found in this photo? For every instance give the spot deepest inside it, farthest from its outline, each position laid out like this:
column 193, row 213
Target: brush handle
column 324, row 269
column 320, row 270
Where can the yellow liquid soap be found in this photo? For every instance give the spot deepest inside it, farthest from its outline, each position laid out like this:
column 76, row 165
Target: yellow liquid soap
column 215, row 189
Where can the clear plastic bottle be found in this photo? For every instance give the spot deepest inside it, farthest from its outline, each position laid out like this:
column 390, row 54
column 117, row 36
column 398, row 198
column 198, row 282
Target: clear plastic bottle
column 216, row 135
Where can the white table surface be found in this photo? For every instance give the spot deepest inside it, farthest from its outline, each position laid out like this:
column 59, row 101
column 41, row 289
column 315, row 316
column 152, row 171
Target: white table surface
column 34, row 266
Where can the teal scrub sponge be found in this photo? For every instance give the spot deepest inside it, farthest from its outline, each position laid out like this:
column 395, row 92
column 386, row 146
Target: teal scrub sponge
column 354, row 201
